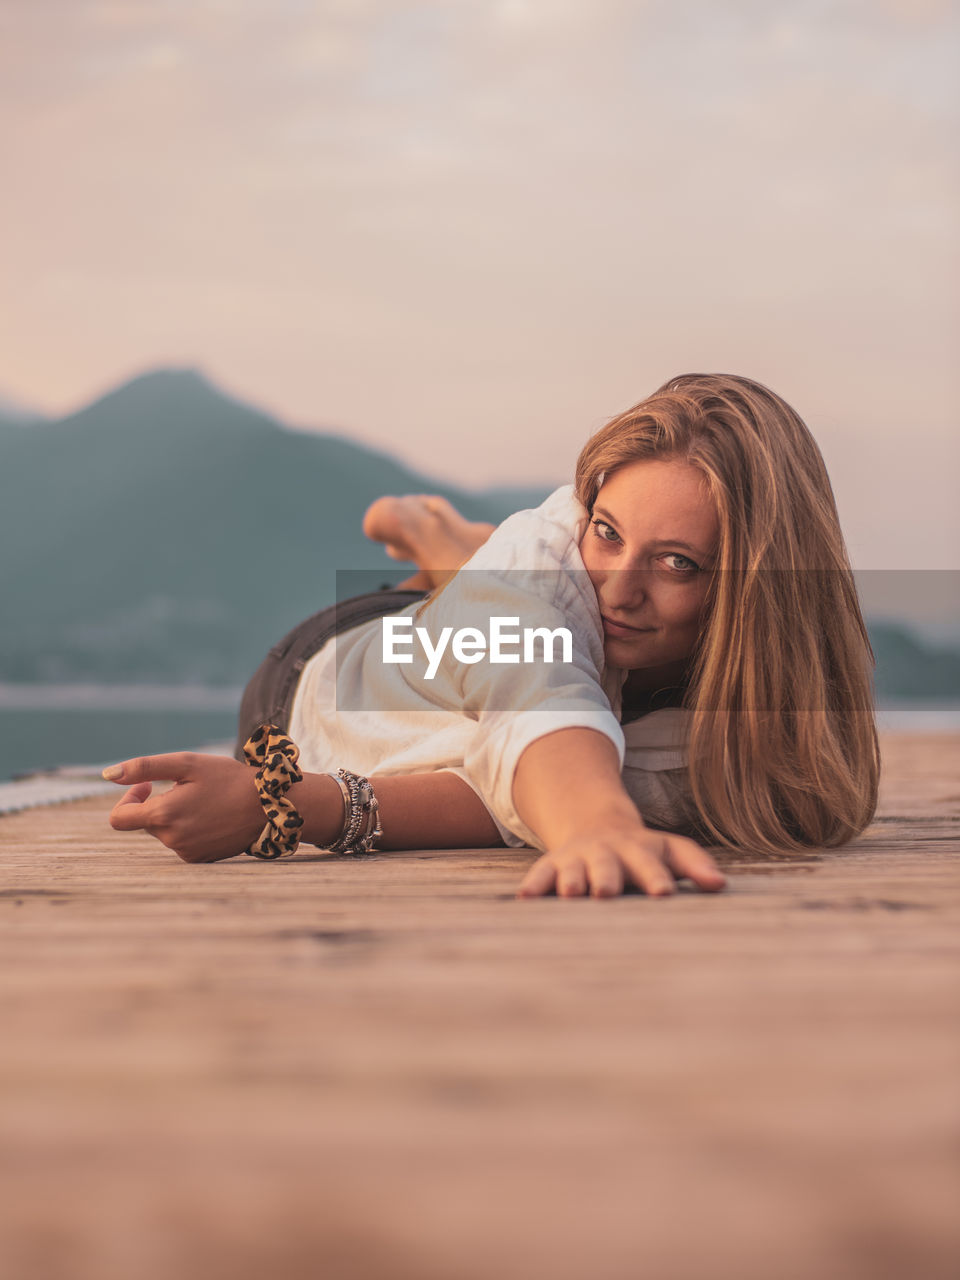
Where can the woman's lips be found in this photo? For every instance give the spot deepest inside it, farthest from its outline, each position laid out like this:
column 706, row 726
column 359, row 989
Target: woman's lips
column 620, row 629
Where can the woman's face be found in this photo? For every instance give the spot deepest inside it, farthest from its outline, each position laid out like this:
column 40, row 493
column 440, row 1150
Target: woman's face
column 649, row 549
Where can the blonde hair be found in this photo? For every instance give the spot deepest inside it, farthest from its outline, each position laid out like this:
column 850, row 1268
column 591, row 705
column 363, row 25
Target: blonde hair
column 782, row 751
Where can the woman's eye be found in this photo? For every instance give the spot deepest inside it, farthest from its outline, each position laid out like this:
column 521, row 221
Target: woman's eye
column 689, row 567
column 602, row 536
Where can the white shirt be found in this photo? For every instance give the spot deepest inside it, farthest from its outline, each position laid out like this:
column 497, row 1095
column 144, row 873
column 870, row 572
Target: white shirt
column 352, row 709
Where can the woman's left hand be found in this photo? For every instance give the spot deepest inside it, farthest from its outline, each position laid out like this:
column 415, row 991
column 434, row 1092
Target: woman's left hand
column 212, row 812
column 602, row 862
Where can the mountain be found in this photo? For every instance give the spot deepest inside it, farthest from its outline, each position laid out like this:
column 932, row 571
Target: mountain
column 907, row 667
column 14, row 413
column 169, row 531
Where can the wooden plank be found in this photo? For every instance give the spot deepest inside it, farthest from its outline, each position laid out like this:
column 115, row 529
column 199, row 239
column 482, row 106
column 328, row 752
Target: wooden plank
column 391, row 1067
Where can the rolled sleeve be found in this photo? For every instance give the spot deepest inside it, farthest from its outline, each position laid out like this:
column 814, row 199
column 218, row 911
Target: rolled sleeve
column 492, row 762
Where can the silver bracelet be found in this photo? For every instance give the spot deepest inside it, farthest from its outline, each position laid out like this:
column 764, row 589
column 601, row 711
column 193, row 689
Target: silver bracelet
column 360, row 810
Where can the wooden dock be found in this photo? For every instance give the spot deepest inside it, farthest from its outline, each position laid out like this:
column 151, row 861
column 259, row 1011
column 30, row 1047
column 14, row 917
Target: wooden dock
column 382, row 1069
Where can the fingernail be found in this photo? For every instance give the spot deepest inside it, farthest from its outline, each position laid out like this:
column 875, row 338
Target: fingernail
column 113, row 773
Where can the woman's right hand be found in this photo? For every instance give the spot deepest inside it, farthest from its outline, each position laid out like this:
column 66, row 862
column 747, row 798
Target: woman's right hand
column 602, row 863
column 212, row 812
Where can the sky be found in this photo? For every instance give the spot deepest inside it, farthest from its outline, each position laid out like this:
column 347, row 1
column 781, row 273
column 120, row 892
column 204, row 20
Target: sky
column 470, row 231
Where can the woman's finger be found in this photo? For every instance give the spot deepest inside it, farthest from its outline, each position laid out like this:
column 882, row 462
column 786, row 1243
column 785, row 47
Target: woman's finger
column 540, row 879
column 686, row 858
column 572, row 879
column 176, row 766
column 129, row 813
column 606, row 876
column 647, row 871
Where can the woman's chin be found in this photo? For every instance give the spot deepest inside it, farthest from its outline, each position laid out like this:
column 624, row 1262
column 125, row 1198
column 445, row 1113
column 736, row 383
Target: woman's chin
column 622, row 652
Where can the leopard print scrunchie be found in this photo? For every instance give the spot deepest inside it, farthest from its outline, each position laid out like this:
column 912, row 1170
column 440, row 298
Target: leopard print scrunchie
column 275, row 757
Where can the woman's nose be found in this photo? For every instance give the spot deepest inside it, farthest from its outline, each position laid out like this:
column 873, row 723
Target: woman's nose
column 625, row 589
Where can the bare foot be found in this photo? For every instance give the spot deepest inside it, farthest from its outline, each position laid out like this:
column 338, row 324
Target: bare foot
column 426, row 530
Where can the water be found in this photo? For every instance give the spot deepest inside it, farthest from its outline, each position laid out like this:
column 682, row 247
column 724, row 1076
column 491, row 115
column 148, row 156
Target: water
column 43, row 727
column 914, row 718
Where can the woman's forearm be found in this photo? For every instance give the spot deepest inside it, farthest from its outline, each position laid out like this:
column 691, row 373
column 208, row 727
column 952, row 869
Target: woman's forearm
column 567, row 784
column 417, row 811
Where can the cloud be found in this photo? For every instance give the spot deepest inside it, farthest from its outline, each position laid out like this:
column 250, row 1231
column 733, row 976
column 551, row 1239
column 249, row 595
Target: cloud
column 514, row 217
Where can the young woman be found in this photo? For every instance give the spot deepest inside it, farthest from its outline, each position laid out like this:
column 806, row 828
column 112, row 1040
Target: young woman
column 719, row 689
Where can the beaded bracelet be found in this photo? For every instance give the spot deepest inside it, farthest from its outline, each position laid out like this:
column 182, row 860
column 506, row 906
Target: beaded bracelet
column 360, row 809
column 275, row 757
